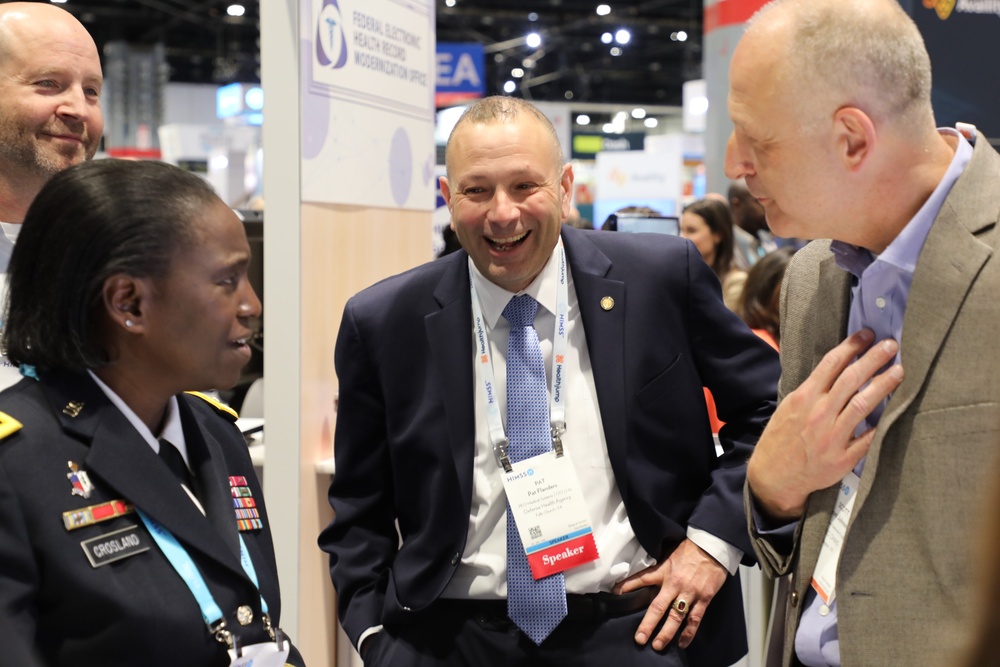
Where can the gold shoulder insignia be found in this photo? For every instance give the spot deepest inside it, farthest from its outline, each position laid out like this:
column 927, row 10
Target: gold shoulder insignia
column 8, row 425
column 225, row 410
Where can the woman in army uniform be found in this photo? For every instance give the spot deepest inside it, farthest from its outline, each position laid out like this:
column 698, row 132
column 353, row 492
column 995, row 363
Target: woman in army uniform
column 132, row 528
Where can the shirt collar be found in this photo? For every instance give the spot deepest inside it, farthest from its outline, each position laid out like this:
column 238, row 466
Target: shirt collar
column 172, row 429
column 905, row 248
column 493, row 298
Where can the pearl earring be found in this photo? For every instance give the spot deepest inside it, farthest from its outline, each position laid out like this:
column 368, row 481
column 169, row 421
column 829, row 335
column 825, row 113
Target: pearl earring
column 128, row 323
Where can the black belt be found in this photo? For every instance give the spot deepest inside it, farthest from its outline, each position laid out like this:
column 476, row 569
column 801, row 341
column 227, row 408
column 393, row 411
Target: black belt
column 589, row 607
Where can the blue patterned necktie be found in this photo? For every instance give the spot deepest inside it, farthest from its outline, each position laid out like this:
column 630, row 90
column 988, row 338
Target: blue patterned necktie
column 537, row 607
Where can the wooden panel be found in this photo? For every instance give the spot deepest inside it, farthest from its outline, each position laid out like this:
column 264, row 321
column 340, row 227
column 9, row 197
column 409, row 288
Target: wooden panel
column 344, row 249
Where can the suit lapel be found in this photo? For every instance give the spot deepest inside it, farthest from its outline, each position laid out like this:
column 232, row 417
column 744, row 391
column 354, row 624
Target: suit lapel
column 832, row 322
column 829, row 327
column 121, row 458
column 449, row 337
column 605, row 333
column 949, row 263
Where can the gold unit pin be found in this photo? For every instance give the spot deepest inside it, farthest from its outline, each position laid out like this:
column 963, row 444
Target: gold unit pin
column 73, row 408
column 607, row 303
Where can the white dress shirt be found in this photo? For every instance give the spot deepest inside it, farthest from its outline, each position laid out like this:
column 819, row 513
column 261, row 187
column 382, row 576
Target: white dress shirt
column 482, row 573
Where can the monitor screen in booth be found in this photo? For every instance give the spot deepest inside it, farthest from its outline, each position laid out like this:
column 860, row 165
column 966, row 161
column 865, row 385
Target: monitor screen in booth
column 659, row 224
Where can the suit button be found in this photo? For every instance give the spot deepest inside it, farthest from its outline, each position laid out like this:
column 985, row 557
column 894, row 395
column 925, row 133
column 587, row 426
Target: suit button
column 455, row 558
column 795, row 599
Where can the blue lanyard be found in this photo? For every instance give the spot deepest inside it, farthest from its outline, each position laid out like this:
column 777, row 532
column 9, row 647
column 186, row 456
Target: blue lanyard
column 181, row 561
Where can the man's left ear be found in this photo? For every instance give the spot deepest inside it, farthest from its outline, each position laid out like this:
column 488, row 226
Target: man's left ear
column 566, row 181
column 854, row 136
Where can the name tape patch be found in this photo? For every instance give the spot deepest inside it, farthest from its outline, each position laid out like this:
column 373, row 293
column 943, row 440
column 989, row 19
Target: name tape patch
column 116, row 545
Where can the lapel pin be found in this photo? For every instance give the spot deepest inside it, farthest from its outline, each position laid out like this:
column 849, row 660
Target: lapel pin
column 80, row 481
column 607, row 303
column 73, row 408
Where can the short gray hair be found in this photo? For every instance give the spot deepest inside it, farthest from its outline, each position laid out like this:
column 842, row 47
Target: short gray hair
column 866, row 53
column 503, row 109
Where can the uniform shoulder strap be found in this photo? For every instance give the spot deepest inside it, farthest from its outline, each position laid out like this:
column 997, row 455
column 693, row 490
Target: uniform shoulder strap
column 8, row 425
column 221, row 408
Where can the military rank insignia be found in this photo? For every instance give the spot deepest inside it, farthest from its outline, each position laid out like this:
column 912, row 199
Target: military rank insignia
column 247, row 517
column 80, row 481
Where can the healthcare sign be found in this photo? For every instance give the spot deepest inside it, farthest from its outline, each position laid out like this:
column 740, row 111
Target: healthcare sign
column 365, row 64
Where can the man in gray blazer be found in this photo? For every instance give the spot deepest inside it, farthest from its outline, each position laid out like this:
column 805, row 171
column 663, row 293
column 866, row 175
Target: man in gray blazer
column 866, row 485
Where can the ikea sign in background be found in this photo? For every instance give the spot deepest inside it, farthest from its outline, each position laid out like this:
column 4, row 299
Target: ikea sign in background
column 461, row 73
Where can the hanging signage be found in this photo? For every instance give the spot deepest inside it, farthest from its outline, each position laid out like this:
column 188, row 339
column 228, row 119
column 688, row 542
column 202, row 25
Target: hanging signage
column 586, row 146
column 367, row 64
column 461, row 73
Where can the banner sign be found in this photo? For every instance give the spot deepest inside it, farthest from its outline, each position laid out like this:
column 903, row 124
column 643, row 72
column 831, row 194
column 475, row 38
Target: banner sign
column 368, row 69
column 461, row 73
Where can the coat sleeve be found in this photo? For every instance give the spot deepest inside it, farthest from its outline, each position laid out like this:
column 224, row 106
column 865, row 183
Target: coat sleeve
column 776, row 545
column 742, row 373
column 362, row 540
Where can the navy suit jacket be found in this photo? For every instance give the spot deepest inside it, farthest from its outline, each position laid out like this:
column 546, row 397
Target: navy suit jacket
column 405, row 437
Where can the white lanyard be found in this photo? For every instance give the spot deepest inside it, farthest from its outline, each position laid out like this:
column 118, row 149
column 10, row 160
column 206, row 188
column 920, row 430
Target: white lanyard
column 557, row 411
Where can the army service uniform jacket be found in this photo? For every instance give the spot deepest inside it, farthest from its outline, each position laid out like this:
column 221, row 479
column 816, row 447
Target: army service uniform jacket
column 74, row 591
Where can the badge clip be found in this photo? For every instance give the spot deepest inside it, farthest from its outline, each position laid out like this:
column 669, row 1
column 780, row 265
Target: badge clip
column 558, row 428
column 221, row 634
column 500, row 449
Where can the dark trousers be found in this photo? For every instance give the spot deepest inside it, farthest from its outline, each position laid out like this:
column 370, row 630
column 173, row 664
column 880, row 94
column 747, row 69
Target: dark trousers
column 454, row 633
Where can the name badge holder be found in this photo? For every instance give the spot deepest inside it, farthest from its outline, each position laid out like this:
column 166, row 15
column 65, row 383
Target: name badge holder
column 824, row 579
column 261, row 655
column 543, row 492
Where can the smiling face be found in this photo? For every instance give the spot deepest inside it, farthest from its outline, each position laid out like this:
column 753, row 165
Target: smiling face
column 508, row 195
column 50, row 85
column 198, row 317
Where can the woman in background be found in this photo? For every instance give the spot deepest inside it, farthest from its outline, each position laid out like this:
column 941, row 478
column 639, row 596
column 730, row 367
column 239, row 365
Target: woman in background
column 708, row 224
column 759, row 304
column 132, row 528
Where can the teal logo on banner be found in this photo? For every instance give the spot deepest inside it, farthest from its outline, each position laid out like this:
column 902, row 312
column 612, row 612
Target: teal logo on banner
column 331, row 45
